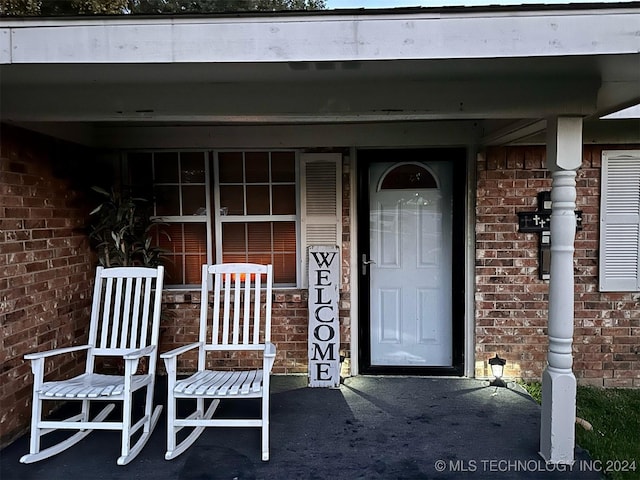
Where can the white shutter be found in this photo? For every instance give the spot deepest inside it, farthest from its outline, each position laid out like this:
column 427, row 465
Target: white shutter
column 620, row 221
column 321, row 203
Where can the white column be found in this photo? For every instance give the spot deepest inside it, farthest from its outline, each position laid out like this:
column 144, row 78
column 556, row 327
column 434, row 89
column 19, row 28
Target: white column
column 564, row 157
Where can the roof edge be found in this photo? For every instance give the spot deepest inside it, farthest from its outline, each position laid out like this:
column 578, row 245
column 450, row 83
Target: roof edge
column 492, row 8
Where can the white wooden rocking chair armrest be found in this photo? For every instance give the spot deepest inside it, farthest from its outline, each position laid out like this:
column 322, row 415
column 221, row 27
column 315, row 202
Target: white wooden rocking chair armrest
column 57, row 351
column 233, row 347
column 180, row 350
column 132, row 357
column 141, row 352
column 126, row 353
column 269, row 350
column 171, row 359
column 269, row 356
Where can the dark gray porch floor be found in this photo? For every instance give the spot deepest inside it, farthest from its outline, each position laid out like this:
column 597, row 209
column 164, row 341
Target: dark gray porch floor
column 370, row 428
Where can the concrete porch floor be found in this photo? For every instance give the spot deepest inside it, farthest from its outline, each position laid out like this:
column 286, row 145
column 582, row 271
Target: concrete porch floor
column 370, row 428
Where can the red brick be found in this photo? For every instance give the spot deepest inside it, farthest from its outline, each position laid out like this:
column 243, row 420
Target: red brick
column 618, row 382
column 34, row 291
column 605, row 322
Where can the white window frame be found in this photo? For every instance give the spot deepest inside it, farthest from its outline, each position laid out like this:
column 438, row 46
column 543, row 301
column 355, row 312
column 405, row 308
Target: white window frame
column 619, row 258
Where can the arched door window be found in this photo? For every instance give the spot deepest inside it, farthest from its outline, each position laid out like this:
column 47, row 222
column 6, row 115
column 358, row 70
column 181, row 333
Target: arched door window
column 407, row 176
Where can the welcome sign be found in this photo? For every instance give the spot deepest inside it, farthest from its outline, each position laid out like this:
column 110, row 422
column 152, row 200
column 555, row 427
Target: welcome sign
column 324, row 324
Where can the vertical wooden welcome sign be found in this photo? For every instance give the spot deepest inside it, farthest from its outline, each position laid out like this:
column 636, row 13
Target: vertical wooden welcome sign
column 324, row 324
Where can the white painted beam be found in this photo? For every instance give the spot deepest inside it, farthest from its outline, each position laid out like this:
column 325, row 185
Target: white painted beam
column 425, row 35
column 414, row 134
column 318, row 102
column 80, row 133
column 514, row 132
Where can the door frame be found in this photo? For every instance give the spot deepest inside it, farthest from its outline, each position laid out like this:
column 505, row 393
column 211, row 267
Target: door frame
column 364, row 157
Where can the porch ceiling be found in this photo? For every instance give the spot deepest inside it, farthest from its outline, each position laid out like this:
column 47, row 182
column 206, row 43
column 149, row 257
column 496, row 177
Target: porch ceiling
column 82, row 74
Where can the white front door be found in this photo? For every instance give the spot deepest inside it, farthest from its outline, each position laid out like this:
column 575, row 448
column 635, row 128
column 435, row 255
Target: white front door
column 410, row 242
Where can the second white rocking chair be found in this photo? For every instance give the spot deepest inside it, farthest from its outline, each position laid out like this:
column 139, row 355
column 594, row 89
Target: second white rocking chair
column 239, row 323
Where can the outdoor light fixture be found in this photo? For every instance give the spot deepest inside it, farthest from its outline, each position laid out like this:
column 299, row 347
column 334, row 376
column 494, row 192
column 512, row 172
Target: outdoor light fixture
column 497, row 369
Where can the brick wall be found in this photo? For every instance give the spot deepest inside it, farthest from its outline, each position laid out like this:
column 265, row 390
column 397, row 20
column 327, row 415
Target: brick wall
column 511, row 302
column 289, row 320
column 45, row 269
column 289, row 331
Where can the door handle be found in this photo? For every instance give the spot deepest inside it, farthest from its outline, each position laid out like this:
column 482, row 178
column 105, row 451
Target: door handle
column 366, row 262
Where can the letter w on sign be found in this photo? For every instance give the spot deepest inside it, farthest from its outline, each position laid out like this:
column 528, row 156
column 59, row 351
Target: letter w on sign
column 324, row 323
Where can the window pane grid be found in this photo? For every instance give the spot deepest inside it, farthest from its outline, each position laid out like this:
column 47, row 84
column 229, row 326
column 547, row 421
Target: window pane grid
column 240, row 183
column 255, row 209
column 258, row 212
column 180, row 197
column 262, row 242
column 180, row 188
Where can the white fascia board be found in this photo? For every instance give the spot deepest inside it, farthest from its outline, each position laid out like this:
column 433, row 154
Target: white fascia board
column 5, row 45
column 325, row 37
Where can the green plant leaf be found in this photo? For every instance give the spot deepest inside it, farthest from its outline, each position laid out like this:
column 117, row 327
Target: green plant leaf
column 101, row 191
column 96, row 210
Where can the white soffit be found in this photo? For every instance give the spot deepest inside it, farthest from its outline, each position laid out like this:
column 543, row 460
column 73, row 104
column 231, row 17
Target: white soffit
column 335, row 37
column 624, row 114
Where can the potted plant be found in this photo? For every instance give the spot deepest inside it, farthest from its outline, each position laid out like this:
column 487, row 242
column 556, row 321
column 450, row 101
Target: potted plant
column 122, row 229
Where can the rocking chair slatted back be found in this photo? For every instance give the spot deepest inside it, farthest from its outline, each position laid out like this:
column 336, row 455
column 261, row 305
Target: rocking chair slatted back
column 237, row 318
column 122, row 314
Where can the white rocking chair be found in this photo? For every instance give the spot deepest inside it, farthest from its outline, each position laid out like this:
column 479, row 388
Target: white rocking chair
column 125, row 323
column 238, row 324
